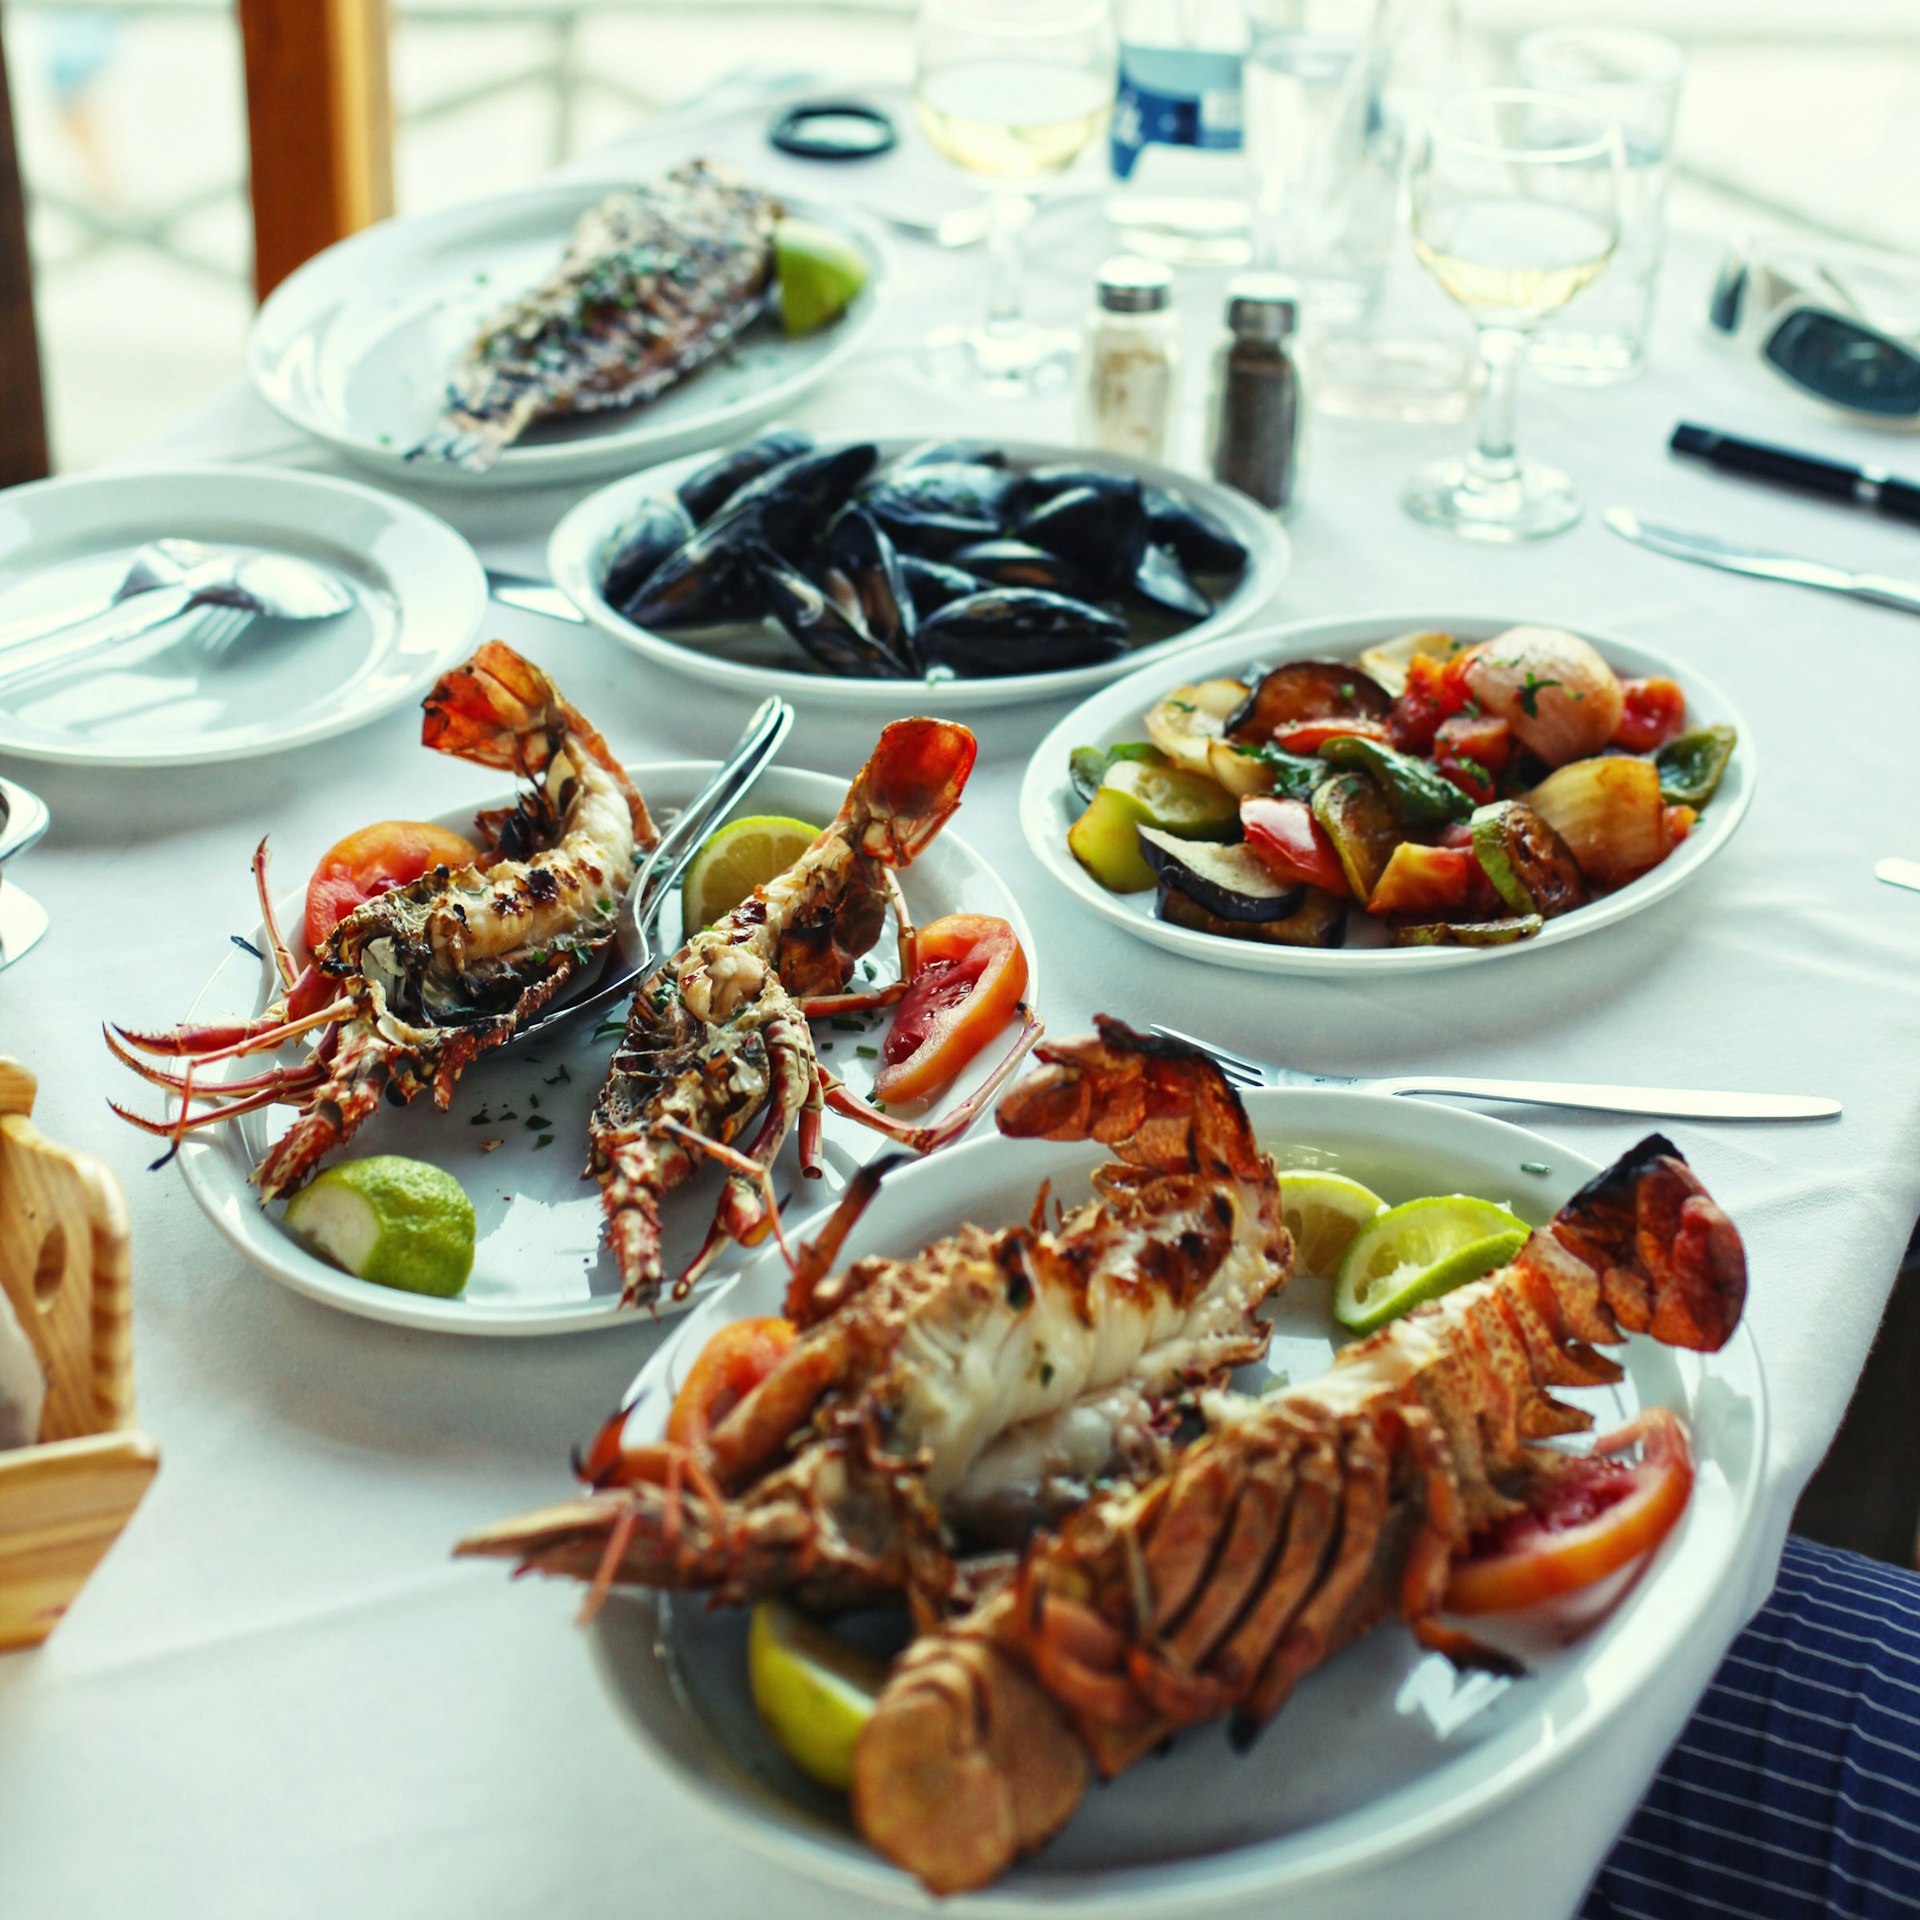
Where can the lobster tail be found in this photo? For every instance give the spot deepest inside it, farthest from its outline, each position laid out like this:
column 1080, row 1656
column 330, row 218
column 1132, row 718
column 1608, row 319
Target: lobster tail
column 1158, row 1103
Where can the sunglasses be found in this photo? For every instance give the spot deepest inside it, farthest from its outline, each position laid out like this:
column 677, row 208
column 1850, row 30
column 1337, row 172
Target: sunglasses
column 1805, row 325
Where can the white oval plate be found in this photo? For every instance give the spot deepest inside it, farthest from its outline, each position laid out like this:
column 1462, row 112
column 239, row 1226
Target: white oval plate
column 355, row 348
column 539, row 1266
column 1048, row 805
column 761, row 660
column 164, row 700
column 1385, row 1749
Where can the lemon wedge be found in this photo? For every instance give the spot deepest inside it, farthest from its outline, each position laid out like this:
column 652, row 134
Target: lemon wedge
column 813, row 1691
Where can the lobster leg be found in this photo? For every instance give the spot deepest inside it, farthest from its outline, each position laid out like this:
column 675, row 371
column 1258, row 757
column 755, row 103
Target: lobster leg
column 928, row 1139
column 735, row 1162
column 288, row 1079
column 282, row 959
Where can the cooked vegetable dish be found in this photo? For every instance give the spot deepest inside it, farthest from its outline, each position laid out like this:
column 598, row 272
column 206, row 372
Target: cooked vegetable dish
column 1459, row 793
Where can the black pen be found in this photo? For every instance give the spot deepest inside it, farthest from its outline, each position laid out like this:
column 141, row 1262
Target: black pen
column 1869, row 487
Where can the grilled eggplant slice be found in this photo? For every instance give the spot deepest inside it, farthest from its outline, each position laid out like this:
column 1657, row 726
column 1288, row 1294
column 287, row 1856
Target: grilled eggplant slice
column 1321, row 920
column 1307, row 690
column 1231, row 882
column 1532, row 869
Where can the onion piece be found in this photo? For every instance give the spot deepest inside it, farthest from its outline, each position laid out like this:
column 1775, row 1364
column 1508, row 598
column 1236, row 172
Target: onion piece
column 1609, row 812
column 1556, row 694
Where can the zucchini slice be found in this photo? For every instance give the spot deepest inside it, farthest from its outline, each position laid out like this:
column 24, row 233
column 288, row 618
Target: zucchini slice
column 1359, row 819
column 1532, row 869
column 1470, row 933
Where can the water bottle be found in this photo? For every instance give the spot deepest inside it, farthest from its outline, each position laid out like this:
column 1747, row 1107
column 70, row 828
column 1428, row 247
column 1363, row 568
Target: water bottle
column 1180, row 185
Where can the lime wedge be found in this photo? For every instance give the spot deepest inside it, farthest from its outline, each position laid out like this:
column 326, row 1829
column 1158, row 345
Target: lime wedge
column 740, row 856
column 814, row 1692
column 1323, row 1211
column 397, row 1222
column 821, row 273
column 1411, row 1253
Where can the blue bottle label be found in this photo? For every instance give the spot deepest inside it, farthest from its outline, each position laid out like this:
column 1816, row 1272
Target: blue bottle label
column 1174, row 97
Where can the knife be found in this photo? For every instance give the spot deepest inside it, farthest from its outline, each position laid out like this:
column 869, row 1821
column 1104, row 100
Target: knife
column 1731, row 557
column 532, row 595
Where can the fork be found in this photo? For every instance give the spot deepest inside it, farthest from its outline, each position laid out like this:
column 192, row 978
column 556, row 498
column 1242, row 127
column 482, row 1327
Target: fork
column 1659, row 1103
column 637, row 941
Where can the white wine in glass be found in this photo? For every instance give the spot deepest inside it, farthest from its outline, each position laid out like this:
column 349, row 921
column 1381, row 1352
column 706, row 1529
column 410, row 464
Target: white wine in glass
column 1516, row 207
column 1012, row 91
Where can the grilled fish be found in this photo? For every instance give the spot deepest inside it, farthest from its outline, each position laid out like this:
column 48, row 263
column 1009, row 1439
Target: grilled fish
column 657, row 280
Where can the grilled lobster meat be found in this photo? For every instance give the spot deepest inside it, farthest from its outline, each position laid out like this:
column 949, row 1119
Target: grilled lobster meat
column 950, row 1401
column 1301, row 1522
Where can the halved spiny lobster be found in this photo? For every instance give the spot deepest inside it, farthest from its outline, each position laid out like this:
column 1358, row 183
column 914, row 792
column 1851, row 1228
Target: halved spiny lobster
column 1301, row 1521
column 718, row 1033
column 412, row 985
column 951, row 1401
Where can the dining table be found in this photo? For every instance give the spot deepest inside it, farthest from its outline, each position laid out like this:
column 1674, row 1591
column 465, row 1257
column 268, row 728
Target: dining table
column 280, row 1695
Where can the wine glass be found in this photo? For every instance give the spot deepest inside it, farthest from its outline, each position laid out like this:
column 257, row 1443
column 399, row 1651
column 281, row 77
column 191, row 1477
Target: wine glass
column 1516, row 206
column 1013, row 91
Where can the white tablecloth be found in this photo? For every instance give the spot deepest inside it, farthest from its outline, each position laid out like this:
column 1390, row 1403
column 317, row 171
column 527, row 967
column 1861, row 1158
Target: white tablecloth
column 278, row 1695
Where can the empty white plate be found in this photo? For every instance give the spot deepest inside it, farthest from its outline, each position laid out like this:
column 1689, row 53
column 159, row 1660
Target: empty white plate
column 172, row 697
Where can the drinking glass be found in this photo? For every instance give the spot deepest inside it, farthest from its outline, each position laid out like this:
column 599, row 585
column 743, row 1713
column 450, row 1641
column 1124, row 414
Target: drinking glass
column 1013, row 91
column 1634, row 79
column 1515, row 206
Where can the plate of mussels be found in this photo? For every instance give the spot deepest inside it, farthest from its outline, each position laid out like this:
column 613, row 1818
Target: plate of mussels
column 989, row 571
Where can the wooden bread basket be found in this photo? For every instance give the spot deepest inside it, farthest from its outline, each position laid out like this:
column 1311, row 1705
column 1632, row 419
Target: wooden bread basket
column 65, row 1266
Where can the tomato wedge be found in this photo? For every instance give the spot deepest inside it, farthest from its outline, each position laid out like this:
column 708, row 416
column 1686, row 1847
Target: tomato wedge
column 970, row 978
column 1309, row 736
column 732, row 1363
column 1654, row 712
column 1601, row 1514
column 1291, row 842
column 388, row 854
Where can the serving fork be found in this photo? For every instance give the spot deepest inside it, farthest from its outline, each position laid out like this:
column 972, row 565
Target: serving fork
column 636, row 943
column 1658, row 1103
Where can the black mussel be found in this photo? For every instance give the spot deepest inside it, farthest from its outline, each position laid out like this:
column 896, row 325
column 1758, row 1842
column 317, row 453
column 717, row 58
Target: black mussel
column 1199, row 541
column 792, row 503
column 934, row 508
column 1018, row 630
column 653, row 530
column 861, row 571
column 930, row 453
column 705, row 491
column 823, row 628
column 1040, row 484
column 933, row 583
column 1101, row 530
column 1018, row 563
column 1161, row 579
column 712, row 579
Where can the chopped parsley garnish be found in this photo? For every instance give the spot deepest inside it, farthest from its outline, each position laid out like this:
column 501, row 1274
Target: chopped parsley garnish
column 847, row 1023
column 1531, row 692
column 1474, row 767
column 868, row 1053
column 545, row 1140
column 556, row 1077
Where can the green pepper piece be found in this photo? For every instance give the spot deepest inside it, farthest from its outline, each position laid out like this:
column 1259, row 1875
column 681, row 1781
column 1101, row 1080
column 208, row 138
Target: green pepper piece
column 1690, row 765
column 1420, row 796
column 1295, row 775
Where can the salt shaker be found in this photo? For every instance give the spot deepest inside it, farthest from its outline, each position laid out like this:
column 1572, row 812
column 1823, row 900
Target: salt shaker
column 1256, row 412
column 1129, row 360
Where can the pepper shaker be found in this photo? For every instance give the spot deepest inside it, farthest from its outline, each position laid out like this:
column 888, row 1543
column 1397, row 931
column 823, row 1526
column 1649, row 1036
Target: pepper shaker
column 1129, row 360
column 1256, row 410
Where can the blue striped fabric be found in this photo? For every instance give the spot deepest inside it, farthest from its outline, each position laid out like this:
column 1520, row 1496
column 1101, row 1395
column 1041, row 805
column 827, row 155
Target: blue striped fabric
column 1795, row 1789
